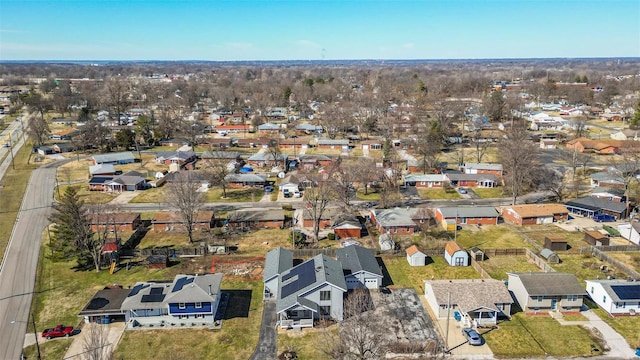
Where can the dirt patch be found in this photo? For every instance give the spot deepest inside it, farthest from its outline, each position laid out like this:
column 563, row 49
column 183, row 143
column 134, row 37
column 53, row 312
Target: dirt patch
column 245, row 269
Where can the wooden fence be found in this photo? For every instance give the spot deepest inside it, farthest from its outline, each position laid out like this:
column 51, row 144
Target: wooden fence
column 597, row 252
column 612, row 248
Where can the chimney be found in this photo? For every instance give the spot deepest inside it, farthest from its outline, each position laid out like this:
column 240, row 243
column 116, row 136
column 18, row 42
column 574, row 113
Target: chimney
column 210, row 292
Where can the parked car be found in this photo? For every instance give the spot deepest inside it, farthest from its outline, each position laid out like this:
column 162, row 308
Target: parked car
column 58, row 331
column 297, row 194
column 462, row 190
column 268, row 189
column 604, row 218
column 472, row 336
column 286, row 193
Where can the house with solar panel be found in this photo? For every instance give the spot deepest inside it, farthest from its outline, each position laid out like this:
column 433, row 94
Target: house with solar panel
column 617, row 297
column 276, row 262
column 549, row 291
column 310, row 291
column 188, row 300
column 360, row 267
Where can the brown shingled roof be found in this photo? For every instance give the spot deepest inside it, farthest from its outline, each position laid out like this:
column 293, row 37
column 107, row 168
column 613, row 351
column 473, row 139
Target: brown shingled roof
column 413, row 249
column 536, row 210
column 452, row 247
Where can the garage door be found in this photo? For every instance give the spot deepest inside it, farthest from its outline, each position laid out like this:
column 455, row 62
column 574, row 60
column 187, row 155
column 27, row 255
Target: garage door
column 371, row 283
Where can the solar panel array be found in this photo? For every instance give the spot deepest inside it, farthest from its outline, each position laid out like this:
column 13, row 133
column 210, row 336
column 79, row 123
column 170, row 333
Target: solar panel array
column 627, row 292
column 155, row 295
column 136, row 289
column 306, row 276
column 182, row 282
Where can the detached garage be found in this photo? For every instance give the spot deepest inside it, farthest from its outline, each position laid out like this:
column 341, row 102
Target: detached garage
column 360, row 267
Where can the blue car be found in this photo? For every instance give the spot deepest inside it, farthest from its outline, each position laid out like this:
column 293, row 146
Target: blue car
column 604, row 218
column 472, row 336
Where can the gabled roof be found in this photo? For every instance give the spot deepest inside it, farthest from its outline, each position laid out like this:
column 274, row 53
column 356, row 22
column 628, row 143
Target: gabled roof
column 412, row 250
column 355, row 259
column 608, row 190
column 114, row 157
column 101, row 169
column 194, row 288
column 267, row 157
column 424, row 178
column 471, row 294
column 179, row 155
column 537, row 210
column 596, row 204
column 226, row 155
column 607, row 176
column 452, row 247
column 242, row 215
column 127, row 180
column 99, row 180
column 342, row 142
column 549, row 283
column 245, row 178
column 471, row 177
column 268, row 126
column 483, row 166
column 467, row 212
column 619, row 290
column 276, row 262
column 311, row 274
column 108, row 300
column 394, row 217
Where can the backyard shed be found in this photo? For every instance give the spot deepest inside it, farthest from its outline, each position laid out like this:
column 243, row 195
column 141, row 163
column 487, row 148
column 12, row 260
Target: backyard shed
column 555, row 243
column 455, row 255
column 415, row 257
column 550, row 256
column 158, row 261
column 596, row 238
column 386, row 242
column 477, row 254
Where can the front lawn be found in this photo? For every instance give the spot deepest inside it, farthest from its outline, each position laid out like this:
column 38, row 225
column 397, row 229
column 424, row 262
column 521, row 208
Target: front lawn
column 538, row 336
column 404, row 275
column 486, row 193
column 89, row 197
column 438, row 193
column 234, row 195
column 153, row 195
column 370, row 196
column 307, row 345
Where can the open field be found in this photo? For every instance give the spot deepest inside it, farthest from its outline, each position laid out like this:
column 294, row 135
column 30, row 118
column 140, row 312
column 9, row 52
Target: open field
column 584, row 267
column 538, row 337
column 631, row 259
column 404, row 275
column 14, row 184
column 574, row 239
column 370, row 196
column 440, row 194
column 493, row 236
column 498, row 266
column 489, row 193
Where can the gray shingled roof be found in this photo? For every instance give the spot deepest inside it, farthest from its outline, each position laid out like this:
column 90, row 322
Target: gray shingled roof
column 113, row 157
column 467, row 212
column 424, row 178
column 255, row 215
column 245, row 178
column 607, row 190
column 356, row 259
column 471, row 294
column 327, row 271
column 595, row 204
column 276, row 262
column 551, row 283
column 471, row 177
column 483, row 166
column 204, row 288
column 618, row 283
column 394, row 217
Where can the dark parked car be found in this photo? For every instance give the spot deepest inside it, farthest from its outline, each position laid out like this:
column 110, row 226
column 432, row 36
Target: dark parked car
column 462, row 190
column 604, row 218
column 472, row 336
column 268, row 189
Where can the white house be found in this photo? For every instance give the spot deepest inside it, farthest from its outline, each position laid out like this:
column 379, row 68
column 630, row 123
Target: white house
column 617, row 297
column 630, row 231
column 276, row 262
column 415, row 257
column 360, row 267
column 455, row 255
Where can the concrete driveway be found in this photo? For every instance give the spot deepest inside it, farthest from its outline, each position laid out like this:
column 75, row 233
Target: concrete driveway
column 77, row 349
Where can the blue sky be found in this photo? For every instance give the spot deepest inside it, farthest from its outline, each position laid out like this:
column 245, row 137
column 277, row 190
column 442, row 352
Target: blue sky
column 221, row 30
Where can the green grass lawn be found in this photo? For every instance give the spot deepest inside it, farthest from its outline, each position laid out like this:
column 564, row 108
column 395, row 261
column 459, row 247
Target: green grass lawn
column 370, row 196
column 498, row 266
column 14, row 184
column 574, row 239
column 486, row 193
column 404, row 275
column 234, row 195
column 440, row 194
column 153, row 195
column 89, row 197
column 537, row 336
column 582, row 266
column 627, row 326
column 307, row 345
column 631, row 259
column 494, row 236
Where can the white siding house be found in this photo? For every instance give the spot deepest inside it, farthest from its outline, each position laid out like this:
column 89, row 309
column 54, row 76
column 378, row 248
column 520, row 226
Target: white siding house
column 617, row 297
column 360, row 267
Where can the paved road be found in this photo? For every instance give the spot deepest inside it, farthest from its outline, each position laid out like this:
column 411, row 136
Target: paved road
column 267, row 345
column 18, row 272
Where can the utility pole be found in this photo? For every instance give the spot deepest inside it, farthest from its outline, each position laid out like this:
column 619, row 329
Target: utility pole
column 35, row 334
column 446, row 334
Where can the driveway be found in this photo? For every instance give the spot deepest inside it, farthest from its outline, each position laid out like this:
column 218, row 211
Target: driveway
column 113, row 333
column 268, row 344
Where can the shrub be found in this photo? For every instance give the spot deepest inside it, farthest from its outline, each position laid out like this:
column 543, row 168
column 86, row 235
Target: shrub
column 331, row 236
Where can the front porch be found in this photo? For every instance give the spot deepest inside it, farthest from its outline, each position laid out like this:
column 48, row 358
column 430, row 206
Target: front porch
column 296, row 324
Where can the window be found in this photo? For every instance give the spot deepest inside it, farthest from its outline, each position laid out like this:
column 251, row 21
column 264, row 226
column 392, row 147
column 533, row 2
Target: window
column 325, row 310
column 572, row 298
column 199, row 316
column 604, row 299
column 198, row 305
column 592, row 289
column 539, row 298
column 181, row 306
column 182, row 317
column 325, row 295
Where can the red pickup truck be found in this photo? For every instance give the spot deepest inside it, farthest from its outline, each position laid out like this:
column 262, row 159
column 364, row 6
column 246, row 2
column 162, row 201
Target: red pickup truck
column 58, row 331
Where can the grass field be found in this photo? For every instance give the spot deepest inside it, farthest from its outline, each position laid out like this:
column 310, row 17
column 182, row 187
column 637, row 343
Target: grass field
column 494, row 236
column 404, row 275
column 498, row 266
column 486, row 193
column 89, row 197
column 574, row 239
column 439, row 194
column 14, row 184
column 234, row 195
column 582, row 266
column 630, row 259
column 525, row 337
column 370, row 196
column 307, row 345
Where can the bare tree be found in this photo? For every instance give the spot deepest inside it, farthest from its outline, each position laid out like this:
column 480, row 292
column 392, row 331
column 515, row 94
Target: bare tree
column 579, row 126
column 343, row 180
column 428, row 147
column 38, row 129
column 317, row 198
column 628, row 164
column 182, row 193
column 518, row 156
column 577, row 160
column 365, row 172
column 96, row 345
column 480, row 144
column 275, row 152
column 218, row 170
column 495, row 106
column 552, row 180
column 360, row 336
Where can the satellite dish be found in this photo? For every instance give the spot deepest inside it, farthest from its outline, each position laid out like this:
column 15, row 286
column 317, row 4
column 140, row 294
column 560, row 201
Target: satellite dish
column 281, row 175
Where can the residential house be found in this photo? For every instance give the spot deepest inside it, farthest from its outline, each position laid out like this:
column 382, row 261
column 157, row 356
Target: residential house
column 630, row 231
column 597, row 238
column 45, row 150
column 548, row 143
column 454, row 255
column 113, row 222
column 324, row 220
column 220, row 155
column 65, row 134
column 397, row 222
column 424, row 180
column 216, row 143
column 609, row 179
column 626, row 134
column 259, row 142
column 172, row 221
column 174, row 142
column 105, row 305
column 180, row 158
column 309, row 128
column 448, row 217
column 99, row 183
column 342, row 144
column 267, row 159
column 600, row 146
column 130, row 181
column 238, row 181
column 63, row 147
column 293, row 143
column 371, row 145
column 589, row 206
column 617, row 297
column 102, row 170
column 346, row 226
column 533, row 214
column 311, row 162
column 360, row 267
column 477, row 302
column 482, row 168
column 472, row 180
column 276, row 262
column 545, row 291
column 415, row 257
column 609, row 193
column 225, row 129
column 269, row 128
column 190, row 300
column 256, row 218
column 114, row 158
column 311, row 291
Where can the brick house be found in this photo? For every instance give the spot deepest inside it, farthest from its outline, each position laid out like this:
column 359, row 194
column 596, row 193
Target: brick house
column 394, row 221
column 256, row 218
column 476, row 215
column 531, row 214
column 115, row 221
column 172, row 221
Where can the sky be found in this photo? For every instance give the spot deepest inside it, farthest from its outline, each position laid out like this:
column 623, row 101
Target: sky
column 231, row 30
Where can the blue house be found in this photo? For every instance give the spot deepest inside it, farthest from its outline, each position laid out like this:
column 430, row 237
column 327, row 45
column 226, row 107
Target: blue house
column 189, row 300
